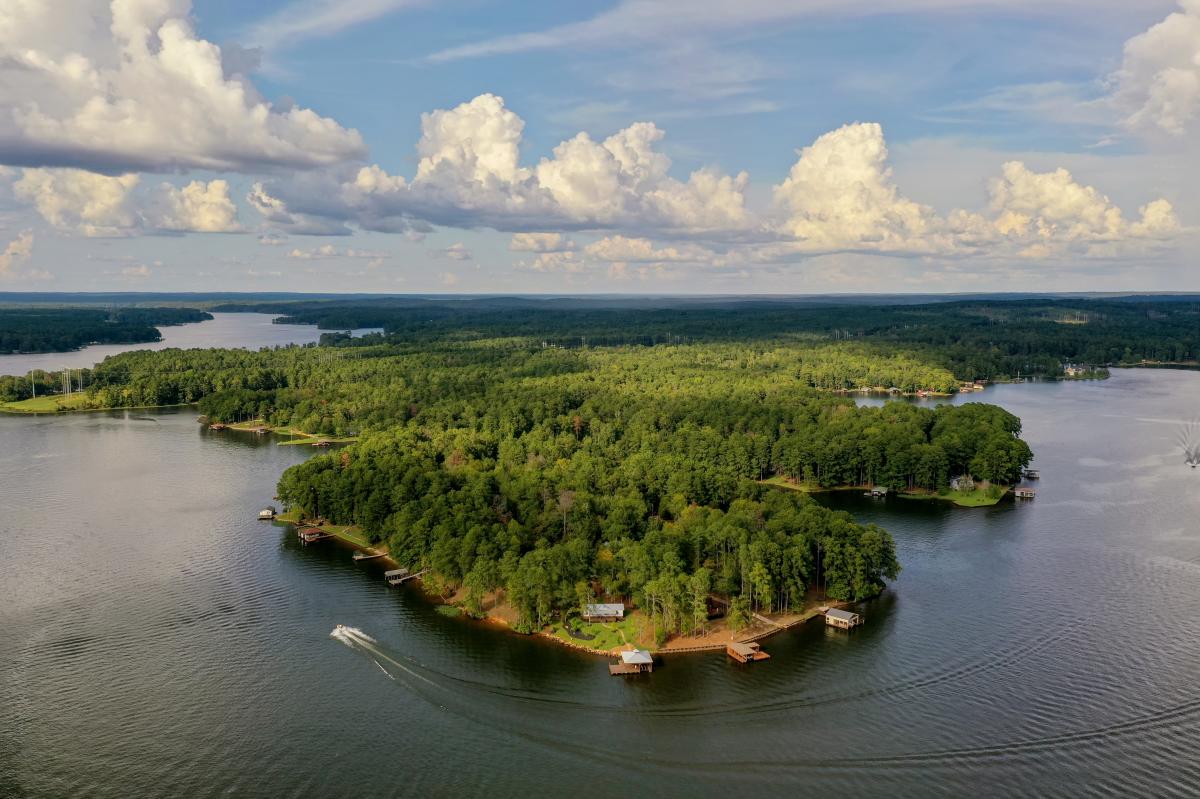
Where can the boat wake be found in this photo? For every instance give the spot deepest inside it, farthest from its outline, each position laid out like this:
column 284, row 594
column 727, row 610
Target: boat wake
column 348, row 635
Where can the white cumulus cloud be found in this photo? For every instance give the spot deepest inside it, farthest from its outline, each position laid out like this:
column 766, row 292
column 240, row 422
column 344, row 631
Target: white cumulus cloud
column 469, row 173
column 1158, row 84
column 127, row 85
column 104, row 205
column 1054, row 207
column 840, row 194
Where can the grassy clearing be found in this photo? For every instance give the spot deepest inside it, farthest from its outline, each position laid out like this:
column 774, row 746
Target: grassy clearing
column 779, row 481
column 52, row 403
column 978, row 498
column 346, row 532
column 605, row 635
column 309, row 439
column 301, row 437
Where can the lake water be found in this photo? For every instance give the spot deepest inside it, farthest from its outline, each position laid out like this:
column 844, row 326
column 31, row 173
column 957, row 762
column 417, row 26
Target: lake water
column 157, row 640
column 247, row 330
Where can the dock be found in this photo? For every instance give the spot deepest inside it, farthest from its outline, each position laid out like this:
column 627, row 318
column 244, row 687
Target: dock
column 633, row 661
column 842, row 619
column 367, row 556
column 308, row 535
column 745, row 652
column 217, row 426
column 1024, row 493
column 1031, row 474
column 401, row 576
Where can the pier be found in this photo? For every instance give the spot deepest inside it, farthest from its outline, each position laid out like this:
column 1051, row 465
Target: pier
column 369, row 556
column 1024, row 493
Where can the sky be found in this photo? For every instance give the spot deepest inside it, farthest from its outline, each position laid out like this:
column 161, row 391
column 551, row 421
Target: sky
column 600, row 146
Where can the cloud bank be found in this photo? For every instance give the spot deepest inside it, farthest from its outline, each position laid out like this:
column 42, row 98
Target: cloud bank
column 839, row 196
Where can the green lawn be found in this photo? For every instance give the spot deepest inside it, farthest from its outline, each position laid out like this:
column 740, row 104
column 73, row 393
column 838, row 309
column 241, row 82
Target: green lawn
column 309, row 439
column 607, row 635
column 52, row 403
column 779, row 481
column 967, row 499
column 347, row 532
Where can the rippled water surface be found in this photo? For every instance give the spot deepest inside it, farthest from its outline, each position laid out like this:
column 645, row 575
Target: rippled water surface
column 248, row 330
column 156, row 640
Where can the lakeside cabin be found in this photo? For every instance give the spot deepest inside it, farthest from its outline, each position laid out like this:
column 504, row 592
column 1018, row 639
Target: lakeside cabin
column 747, row 652
column 267, row 513
column 1024, row 492
column 633, row 661
column 604, row 611
column 842, row 619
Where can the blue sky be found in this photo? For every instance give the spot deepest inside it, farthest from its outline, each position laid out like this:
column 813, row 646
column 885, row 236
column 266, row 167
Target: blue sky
column 399, row 145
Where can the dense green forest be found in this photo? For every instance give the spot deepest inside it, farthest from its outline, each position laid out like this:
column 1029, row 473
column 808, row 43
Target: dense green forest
column 556, row 474
column 27, row 329
column 973, row 339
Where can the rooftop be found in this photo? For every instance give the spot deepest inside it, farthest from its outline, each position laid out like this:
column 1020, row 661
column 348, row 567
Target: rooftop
column 636, row 657
column 604, row 609
column 843, row 615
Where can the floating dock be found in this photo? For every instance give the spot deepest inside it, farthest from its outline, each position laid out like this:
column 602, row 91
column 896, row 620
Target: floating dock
column 368, row 556
column 745, row 652
column 1024, row 493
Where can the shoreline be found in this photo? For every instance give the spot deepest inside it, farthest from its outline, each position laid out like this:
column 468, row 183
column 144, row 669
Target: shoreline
column 678, row 645
column 12, row 409
column 975, row 500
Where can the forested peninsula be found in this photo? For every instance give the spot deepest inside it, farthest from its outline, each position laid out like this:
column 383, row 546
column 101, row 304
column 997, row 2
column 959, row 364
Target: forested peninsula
column 25, row 329
column 513, row 468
